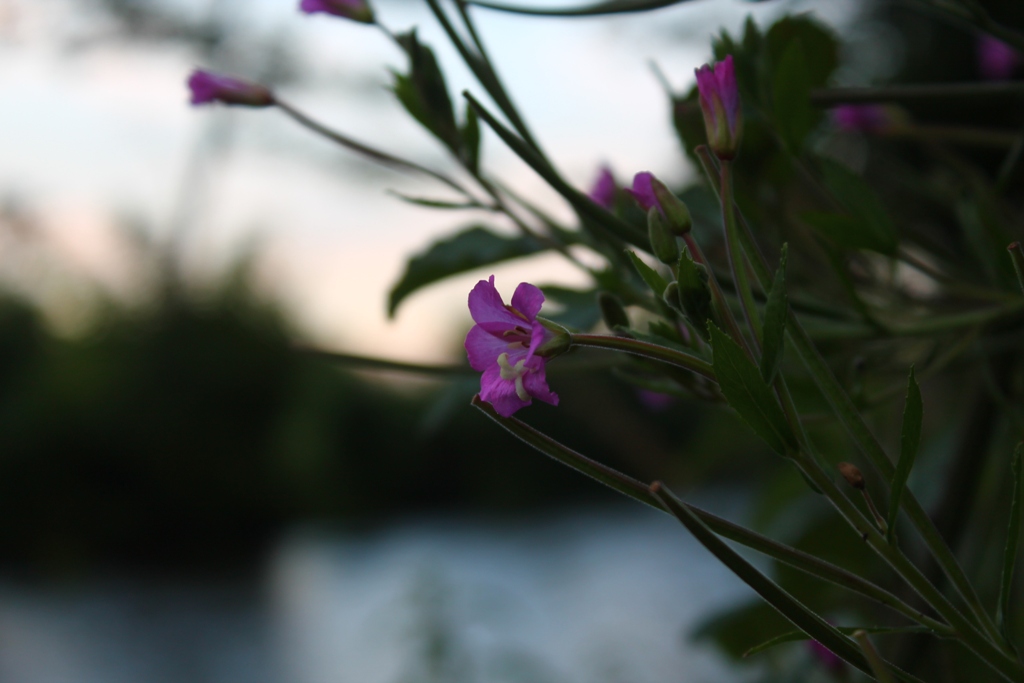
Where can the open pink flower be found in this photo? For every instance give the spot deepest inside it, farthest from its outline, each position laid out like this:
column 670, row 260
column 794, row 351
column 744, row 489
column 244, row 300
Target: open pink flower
column 604, row 189
column 997, row 61
column 866, row 118
column 720, row 104
column 208, row 87
column 503, row 346
column 356, row 10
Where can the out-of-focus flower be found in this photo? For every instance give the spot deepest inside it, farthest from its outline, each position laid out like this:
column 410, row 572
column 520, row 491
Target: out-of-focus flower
column 208, row 87
column 655, row 401
column 604, row 189
column 643, row 190
column 826, row 657
column 866, row 118
column 996, row 60
column 720, row 104
column 356, row 10
column 503, row 346
column 649, row 192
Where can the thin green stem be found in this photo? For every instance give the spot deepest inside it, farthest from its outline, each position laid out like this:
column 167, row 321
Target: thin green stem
column 780, row 552
column 357, row 362
column 646, row 350
column 718, row 301
column 380, row 157
column 735, row 255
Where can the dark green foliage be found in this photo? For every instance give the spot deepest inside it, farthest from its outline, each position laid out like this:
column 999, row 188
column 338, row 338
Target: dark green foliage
column 468, row 249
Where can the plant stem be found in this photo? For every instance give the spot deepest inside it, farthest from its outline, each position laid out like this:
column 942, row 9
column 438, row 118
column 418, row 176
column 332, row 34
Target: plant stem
column 868, row 444
column 829, row 97
column 376, row 155
column 646, row 350
column 735, row 255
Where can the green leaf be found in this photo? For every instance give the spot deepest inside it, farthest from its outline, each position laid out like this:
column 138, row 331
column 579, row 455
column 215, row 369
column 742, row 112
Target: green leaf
column 819, row 44
column 471, row 248
column 471, row 140
column 649, row 275
column 747, row 393
column 776, row 313
column 788, row 606
column 845, row 230
column 910, row 441
column 434, row 203
column 424, row 93
column 1012, row 540
column 578, row 309
column 877, row 228
column 796, row 636
column 608, row 7
column 794, row 117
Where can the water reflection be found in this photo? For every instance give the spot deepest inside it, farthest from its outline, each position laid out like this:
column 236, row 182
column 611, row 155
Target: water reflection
column 601, row 596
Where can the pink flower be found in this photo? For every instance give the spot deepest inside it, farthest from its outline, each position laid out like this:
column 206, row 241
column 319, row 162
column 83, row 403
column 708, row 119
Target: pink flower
column 208, row 87
column 503, row 346
column 996, row 60
column 720, row 103
column 643, row 191
column 867, row 118
column 604, row 189
column 356, row 10
column 828, row 659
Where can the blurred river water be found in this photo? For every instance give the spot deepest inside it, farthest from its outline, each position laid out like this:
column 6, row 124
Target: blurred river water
column 606, row 595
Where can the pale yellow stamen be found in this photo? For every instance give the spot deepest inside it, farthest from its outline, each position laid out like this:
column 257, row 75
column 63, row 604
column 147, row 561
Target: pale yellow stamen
column 515, row 372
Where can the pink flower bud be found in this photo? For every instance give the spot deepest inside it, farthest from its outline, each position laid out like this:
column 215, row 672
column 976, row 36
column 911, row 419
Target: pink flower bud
column 356, row 10
column 604, row 189
column 997, row 61
column 866, row 118
column 720, row 104
column 208, row 87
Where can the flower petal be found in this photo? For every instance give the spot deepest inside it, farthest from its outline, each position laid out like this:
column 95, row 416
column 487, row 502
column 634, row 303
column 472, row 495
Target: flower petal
column 643, row 190
column 486, row 306
column 604, row 188
column 500, row 393
column 483, row 348
column 536, row 382
column 528, row 300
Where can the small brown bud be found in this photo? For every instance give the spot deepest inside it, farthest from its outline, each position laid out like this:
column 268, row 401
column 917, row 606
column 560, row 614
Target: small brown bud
column 851, row 473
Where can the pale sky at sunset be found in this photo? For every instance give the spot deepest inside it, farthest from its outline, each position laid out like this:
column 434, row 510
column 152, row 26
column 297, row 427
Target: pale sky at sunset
column 107, row 132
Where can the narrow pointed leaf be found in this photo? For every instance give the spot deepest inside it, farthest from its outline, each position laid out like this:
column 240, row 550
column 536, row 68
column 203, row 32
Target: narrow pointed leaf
column 640, row 492
column 649, row 275
column 608, row 7
column 471, row 248
column 1012, row 540
column 791, row 90
column 910, row 441
column 776, row 313
column 788, row 606
column 583, row 205
column 796, row 636
column 747, row 393
column 470, row 134
column 434, row 203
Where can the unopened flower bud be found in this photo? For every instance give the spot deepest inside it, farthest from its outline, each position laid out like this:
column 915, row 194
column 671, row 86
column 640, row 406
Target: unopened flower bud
column 663, row 242
column 208, row 87
column 612, row 311
column 356, row 10
column 720, row 104
column 672, row 207
column 853, row 476
column 558, row 343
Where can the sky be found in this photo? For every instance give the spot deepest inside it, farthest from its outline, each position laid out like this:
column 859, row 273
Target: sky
column 96, row 130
